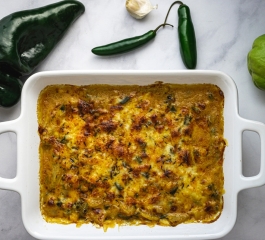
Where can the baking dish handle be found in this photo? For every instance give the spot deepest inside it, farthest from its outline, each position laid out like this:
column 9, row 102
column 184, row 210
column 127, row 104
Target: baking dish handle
column 13, row 184
column 258, row 180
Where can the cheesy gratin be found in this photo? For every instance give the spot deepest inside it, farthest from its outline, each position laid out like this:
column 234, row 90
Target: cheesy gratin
column 131, row 155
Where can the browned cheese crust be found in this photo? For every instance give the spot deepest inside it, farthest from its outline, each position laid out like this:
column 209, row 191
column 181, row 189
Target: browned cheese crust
column 131, row 155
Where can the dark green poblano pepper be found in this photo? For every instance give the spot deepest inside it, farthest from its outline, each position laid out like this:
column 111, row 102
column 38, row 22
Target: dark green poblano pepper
column 26, row 39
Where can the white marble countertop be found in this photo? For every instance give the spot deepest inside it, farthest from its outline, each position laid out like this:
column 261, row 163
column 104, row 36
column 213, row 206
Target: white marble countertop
column 225, row 32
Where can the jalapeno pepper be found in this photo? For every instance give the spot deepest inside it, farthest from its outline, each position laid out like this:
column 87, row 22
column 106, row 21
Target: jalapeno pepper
column 186, row 35
column 126, row 45
column 26, row 39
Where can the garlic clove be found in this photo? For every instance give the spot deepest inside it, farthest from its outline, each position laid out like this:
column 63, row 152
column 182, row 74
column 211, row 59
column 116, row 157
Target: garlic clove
column 139, row 8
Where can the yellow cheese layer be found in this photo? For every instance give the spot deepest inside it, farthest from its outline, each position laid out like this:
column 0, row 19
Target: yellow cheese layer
column 131, row 155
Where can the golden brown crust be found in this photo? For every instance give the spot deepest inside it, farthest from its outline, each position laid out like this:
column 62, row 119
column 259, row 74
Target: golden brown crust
column 131, row 154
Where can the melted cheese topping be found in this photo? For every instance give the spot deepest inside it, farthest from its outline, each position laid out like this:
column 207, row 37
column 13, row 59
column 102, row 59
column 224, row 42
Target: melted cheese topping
column 131, row 155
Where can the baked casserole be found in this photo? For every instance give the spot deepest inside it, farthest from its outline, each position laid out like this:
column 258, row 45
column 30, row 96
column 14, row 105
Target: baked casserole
column 131, row 155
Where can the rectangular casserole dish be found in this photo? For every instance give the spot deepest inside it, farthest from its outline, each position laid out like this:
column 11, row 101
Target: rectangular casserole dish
column 26, row 181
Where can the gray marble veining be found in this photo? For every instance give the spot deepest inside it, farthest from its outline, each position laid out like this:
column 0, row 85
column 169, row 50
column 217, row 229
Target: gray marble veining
column 225, row 32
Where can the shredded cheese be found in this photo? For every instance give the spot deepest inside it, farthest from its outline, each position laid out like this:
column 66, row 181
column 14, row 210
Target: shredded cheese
column 131, row 155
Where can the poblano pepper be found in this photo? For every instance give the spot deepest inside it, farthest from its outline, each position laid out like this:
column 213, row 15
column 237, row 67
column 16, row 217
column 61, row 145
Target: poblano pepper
column 26, row 39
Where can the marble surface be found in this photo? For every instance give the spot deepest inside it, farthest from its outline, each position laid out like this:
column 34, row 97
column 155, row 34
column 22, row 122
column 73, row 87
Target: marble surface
column 225, row 32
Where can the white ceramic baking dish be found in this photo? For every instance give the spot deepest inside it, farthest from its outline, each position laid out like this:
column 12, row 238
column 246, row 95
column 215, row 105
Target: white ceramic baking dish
column 26, row 181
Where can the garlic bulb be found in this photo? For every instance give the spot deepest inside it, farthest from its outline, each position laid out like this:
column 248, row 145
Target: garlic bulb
column 139, row 8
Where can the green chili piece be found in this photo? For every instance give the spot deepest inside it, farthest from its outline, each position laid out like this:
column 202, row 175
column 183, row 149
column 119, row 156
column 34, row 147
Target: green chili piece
column 172, row 109
column 118, row 186
column 186, row 34
column 138, row 159
column 126, row 45
column 173, row 190
column 145, row 174
column 187, row 120
column 59, row 203
column 125, row 100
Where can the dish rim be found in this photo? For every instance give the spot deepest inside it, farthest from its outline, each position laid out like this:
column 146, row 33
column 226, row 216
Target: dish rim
column 23, row 126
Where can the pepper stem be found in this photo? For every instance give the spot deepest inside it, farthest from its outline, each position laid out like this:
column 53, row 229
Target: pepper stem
column 176, row 2
column 162, row 25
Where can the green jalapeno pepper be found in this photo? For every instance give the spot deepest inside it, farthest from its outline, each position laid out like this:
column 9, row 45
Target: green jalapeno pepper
column 26, row 39
column 186, row 34
column 126, row 45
